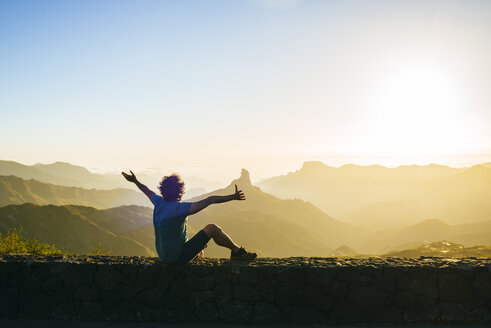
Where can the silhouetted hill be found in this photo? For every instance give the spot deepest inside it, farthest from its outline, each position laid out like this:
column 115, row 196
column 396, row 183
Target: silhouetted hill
column 128, row 230
column 259, row 227
column 26, row 172
column 125, row 230
column 272, row 226
column 263, row 218
column 264, row 223
column 443, row 249
column 430, row 230
column 386, row 215
column 64, row 170
column 344, row 251
column 460, row 198
column 377, row 197
column 60, row 173
column 66, row 174
column 194, row 192
column 340, row 190
column 14, row 190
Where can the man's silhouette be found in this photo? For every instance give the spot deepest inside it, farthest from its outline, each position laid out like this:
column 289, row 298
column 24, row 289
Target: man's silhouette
column 170, row 222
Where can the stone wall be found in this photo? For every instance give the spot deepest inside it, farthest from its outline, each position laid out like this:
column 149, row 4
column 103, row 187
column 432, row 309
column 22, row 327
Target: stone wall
column 293, row 290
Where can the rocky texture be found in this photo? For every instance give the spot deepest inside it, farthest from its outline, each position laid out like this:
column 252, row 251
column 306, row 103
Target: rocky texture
column 289, row 290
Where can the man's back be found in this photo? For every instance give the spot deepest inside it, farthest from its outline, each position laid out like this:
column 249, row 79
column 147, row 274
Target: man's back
column 169, row 221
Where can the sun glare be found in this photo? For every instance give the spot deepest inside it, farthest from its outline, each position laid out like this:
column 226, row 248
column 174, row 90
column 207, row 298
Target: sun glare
column 415, row 109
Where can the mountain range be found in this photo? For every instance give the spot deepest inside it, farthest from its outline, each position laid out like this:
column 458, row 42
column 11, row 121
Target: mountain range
column 14, row 190
column 264, row 223
column 66, row 174
column 377, row 197
column 123, row 230
column 427, row 204
column 63, row 174
column 430, row 230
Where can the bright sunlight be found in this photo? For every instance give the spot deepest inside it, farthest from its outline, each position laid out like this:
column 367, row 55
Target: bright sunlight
column 415, row 110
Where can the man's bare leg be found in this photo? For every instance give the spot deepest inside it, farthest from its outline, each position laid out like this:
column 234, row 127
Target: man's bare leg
column 221, row 238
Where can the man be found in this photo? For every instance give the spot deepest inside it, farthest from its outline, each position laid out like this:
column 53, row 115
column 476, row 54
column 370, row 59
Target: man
column 170, row 222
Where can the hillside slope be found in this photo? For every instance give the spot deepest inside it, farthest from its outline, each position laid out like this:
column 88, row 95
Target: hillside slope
column 76, row 228
column 460, row 198
column 430, row 230
column 14, row 190
column 443, row 249
column 263, row 218
column 264, row 223
column 60, row 173
column 378, row 197
column 128, row 230
column 67, row 174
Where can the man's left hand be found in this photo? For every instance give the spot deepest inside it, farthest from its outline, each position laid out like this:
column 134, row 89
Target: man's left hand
column 239, row 195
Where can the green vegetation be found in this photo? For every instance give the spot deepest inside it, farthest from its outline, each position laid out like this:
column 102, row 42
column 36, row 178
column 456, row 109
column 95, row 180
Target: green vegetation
column 98, row 250
column 76, row 229
column 15, row 242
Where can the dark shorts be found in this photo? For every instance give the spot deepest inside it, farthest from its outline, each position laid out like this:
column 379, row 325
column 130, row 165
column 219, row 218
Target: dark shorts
column 192, row 247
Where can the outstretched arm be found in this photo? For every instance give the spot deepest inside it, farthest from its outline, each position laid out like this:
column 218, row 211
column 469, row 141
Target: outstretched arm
column 142, row 187
column 202, row 204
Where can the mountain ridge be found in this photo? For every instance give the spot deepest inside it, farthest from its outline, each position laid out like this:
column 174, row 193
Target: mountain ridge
column 60, row 173
column 70, row 175
column 295, row 227
column 443, row 248
column 439, row 191
column 252, row 226
column 290, row 210
column 73, row 228
column 15, row 190
column 429, row 230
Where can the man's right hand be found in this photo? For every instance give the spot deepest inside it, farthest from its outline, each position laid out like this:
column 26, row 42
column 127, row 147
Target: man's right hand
column 130, row 178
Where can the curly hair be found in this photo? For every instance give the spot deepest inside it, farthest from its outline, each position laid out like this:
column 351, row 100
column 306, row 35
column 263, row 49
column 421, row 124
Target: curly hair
column 171, row 187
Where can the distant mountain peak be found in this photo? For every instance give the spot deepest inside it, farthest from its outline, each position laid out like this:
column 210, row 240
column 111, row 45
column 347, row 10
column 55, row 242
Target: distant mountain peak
column 59, row 165
column 478, row 168
column 244, row 179
column 356, row 166
column 313, row 165
column 344, row 251
column 432, row 221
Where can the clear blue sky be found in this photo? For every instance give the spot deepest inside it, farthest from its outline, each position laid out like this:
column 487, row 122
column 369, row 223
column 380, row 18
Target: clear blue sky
column 213, row 86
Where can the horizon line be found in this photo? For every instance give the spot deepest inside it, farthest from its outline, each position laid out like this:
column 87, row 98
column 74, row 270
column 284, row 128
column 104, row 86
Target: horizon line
column 304, row 162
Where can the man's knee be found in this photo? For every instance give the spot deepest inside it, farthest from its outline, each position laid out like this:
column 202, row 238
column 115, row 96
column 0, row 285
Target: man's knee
column 211, row 229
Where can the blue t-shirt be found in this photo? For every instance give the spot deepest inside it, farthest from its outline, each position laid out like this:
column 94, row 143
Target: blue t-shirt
column 169, row 221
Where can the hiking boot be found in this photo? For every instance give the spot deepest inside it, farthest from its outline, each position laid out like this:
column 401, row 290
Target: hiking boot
column 242, row 254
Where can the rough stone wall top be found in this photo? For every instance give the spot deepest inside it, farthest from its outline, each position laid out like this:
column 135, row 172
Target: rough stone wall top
column 267, row 290
column 327, row 262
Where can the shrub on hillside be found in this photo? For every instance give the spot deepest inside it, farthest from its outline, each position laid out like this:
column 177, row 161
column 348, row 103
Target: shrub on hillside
column 98, row 250
column 15, row 242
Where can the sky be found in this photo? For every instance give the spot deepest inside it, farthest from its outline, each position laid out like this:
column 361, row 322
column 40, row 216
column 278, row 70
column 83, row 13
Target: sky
column 209, row 87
